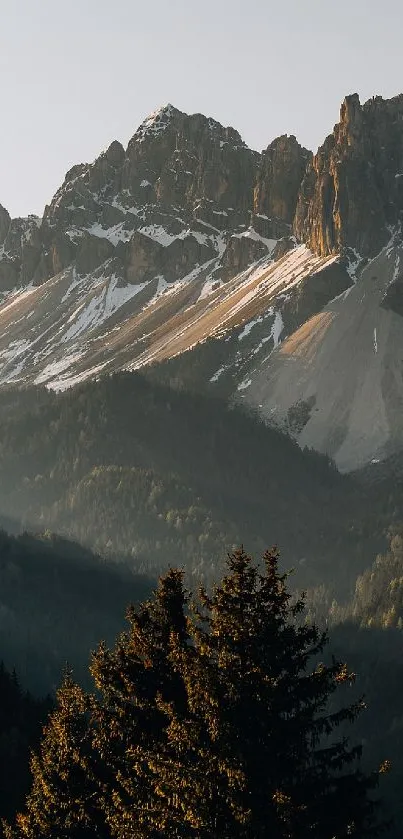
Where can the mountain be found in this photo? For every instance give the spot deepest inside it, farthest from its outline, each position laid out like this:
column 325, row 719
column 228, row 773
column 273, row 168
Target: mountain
column 268, row 278
column 336, row 381
column 150, row 250
column 352, row 193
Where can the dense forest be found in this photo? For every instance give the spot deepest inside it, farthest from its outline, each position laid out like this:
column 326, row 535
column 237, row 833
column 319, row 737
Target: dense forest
column 105, row 487
column 137, row 471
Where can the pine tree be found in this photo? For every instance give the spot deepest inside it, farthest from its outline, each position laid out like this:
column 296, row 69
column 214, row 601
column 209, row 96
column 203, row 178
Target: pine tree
column 63, row 801
column 218, row 721
column 86, row 781
column 258, row 754
column 133, row 679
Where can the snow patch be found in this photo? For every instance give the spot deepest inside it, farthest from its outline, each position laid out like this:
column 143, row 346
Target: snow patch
column 274, row 334
column 155, row 123
column 217, row 374
column 243, row 385
column 134, row 211
column 354, row 260
column 210, row 286
column 64, row 383
column 115, row 234
column 397, row 268
column 158, row 234
column 248, row 327
column 76, row 281
column 74, row 234
column 100, row 307
column 56, row 367
column 277, row 329
column 201, row 238
column 15, row 349
column 256, row 237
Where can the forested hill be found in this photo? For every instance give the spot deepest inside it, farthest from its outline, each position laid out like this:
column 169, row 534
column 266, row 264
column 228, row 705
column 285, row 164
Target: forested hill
column 57, row 600
column 136, row 470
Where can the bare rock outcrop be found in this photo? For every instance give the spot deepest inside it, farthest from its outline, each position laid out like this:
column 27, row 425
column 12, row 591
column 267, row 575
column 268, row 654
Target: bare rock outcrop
column 282, row 168
column 352, row 193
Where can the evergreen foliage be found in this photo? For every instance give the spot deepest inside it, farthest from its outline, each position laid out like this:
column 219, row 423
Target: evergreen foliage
column 135, row 470
column 378, row 598
column 207, row 721
column 21, row 721
column 59, row 801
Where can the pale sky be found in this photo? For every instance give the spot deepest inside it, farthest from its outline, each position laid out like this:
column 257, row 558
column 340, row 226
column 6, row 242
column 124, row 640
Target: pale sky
column 76, row 74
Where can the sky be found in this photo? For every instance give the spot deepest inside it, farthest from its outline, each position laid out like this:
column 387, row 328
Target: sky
column 76, row 74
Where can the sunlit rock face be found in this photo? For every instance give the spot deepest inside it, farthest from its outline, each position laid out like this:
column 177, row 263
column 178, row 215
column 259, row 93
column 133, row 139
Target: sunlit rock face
column 282, row 168
column 352, row 193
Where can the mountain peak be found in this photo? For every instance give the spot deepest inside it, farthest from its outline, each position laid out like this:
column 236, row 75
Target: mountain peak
column 352, row 194
column 4, row 224
column 156, row 122
column 282, row 168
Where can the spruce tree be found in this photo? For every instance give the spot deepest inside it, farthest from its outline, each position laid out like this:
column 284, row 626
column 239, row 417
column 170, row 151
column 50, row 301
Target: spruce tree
column 214, row 722
column 63, row 801
column 132, row 680
column 85, row 779
column 258, row 753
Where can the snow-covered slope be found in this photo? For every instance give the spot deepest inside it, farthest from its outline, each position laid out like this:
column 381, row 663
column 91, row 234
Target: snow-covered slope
column 336, row 382
column 73, row 327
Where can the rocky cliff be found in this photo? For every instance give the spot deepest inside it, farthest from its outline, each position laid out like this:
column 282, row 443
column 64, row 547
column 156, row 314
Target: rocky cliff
column 129, row 261
column 170, row 202
column 352, row 192
column 281, row 170
column 185, row 185
column 21, row 251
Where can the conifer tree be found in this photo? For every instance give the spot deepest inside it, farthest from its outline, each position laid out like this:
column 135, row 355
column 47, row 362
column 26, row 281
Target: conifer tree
column 214, row 724
column 132, row 680
column 85, row 780
column 258, row 753
column 63, row 799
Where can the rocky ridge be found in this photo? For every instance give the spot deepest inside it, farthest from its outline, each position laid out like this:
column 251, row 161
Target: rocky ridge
column 183, row 208
column 171, row 200
column 280, row 265
column 181, row 181
column 351, row 196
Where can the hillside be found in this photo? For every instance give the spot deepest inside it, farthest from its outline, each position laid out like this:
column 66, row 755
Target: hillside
column 140, row 472
column 57, row 601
